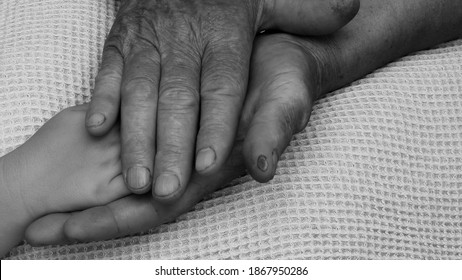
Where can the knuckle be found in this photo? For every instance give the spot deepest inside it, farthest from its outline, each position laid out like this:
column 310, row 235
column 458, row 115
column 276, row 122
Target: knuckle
column 225, row 62
column 225, row 84
column 213, row 130
column 185, row 59
column 115, row 45
column 140, row 88
column 170, row 150
column 141, row 28
column 143, row 57
column 221, row 92
column 226, row 78
column 227, row 54
column 135, row 140
column 133, row 29
column 170, row 156
column 173, row 96
column 101, row 98
column 108, row 75
column 137, row 146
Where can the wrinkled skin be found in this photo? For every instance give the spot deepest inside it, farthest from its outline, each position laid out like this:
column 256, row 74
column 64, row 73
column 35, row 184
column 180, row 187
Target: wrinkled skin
column 177, row 70
column 278, row 104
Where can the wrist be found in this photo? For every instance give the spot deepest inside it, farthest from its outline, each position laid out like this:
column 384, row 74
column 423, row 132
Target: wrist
column 15, row 210
column 14, row 216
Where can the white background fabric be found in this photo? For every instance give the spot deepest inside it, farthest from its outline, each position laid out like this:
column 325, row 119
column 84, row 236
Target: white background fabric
column 376, row 174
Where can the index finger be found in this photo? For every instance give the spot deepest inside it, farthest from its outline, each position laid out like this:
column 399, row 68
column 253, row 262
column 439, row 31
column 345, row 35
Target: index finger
column 104, row 106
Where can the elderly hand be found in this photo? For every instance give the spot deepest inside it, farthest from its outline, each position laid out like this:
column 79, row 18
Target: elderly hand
column 165, row 63
column 284, row 81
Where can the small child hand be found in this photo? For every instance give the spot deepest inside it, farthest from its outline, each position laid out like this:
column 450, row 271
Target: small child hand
column 62, row 168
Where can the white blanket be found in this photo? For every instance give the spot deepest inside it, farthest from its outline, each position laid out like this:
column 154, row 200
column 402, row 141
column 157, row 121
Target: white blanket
column 377, row 173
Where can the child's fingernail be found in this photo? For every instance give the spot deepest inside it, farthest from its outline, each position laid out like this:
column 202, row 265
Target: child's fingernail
column 166, row 184
column 138, row 177
column 205, row 158
column 96, row 120
column 262, row 163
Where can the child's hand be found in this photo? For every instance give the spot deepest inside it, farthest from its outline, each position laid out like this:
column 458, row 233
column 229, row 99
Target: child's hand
column 62, row 168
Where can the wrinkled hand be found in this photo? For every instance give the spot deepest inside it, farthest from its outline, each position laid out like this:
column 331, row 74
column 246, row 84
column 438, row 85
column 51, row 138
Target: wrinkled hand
column 284, row 81
column 167, row 62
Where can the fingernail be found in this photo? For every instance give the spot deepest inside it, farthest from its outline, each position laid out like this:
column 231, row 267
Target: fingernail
column 138, row 177
column 166, row 184
column 96, row 119
column 262, row 163
column 205, row 158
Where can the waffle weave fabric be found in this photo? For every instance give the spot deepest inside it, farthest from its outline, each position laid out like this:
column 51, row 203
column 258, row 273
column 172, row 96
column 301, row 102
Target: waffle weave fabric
column 376, row 174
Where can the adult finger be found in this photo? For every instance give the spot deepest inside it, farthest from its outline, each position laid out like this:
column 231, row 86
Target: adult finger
column 280, row 101
column 126, row 216
column 223, row 85
column 139, row 91
column 105, row 103
column 308, row 17
column 178, row 110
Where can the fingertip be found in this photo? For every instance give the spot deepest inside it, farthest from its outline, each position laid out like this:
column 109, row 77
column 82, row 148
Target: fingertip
column 261, row 160
column 205, row 160
column 33, row 239
column 95, row 120
column 214, row 146
column 167, row 188
column 97, row 123
column 138, row 179
column 47, row 230
column 262, row 176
